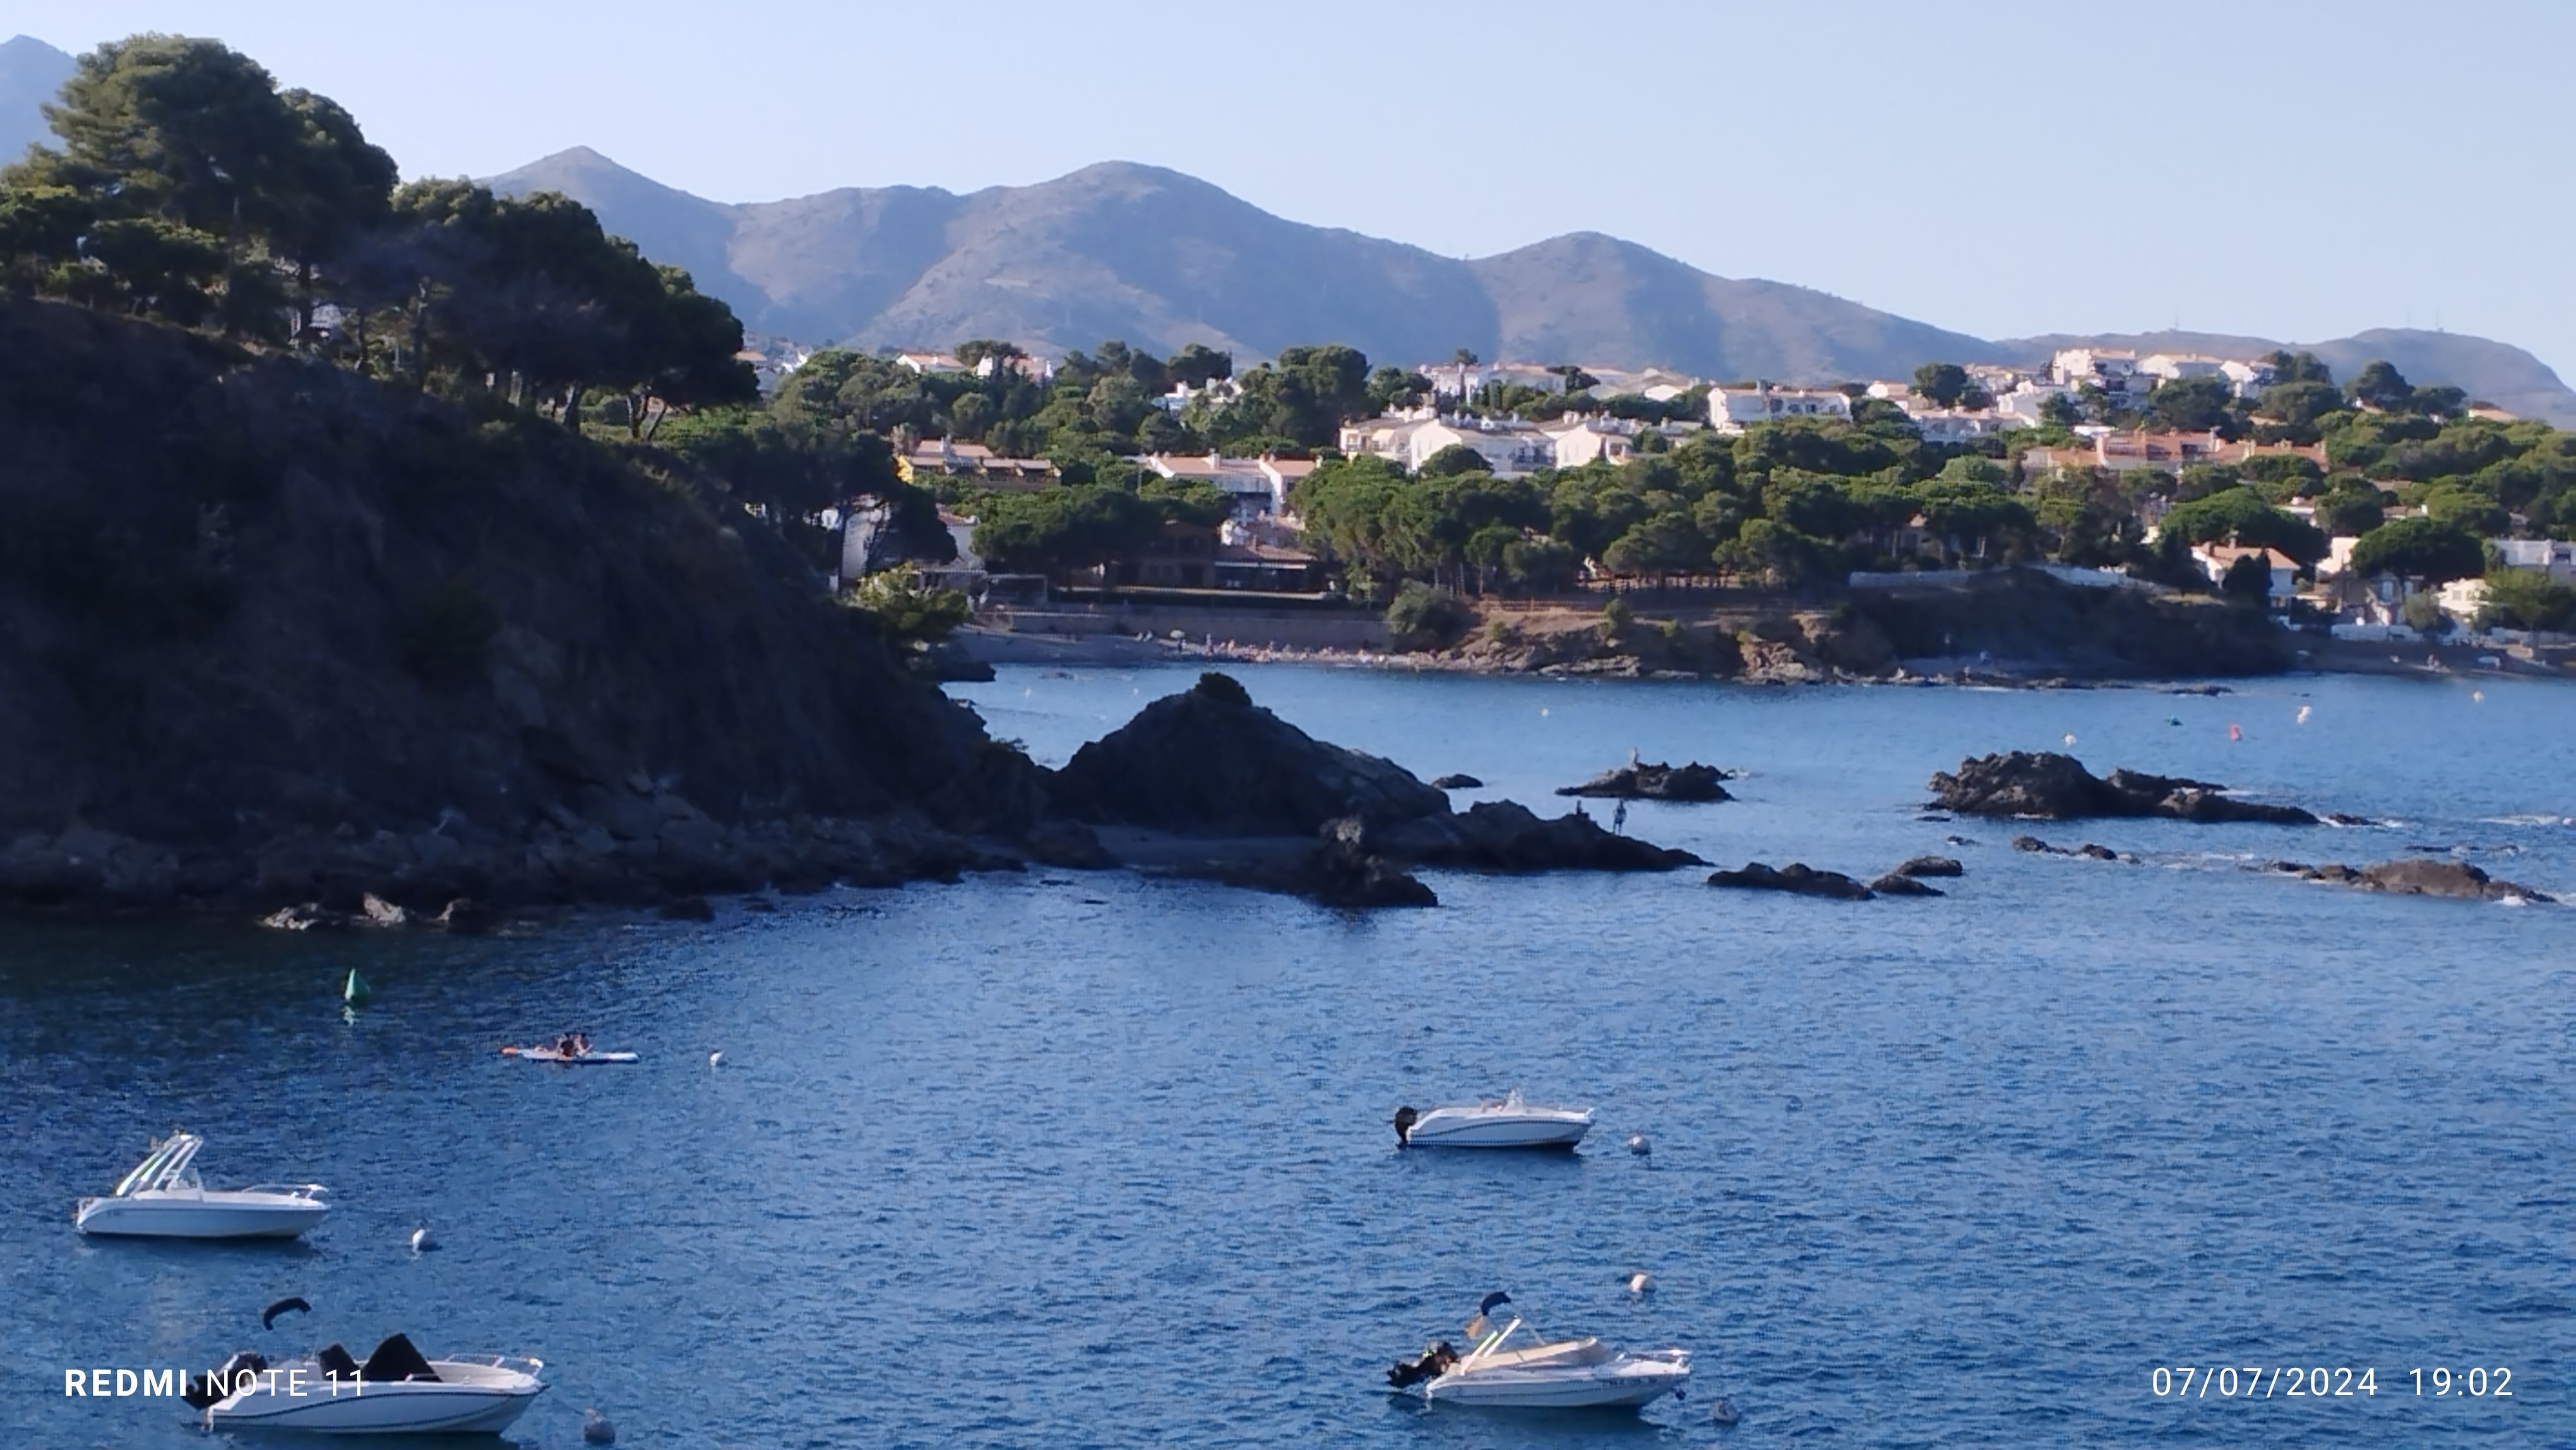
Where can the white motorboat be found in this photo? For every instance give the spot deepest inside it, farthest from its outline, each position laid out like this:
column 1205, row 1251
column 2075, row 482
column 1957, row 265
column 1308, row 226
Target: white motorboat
column 395, row 1391
column 1505, row 1122
column 1565, row 1374
column 162, row 1198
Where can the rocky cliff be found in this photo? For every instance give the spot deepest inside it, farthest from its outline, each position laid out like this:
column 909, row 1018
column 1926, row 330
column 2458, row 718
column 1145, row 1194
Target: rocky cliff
column 270, row 630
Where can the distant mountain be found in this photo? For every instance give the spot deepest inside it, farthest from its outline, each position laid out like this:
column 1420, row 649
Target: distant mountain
column 30, row 73
column 1161, row 259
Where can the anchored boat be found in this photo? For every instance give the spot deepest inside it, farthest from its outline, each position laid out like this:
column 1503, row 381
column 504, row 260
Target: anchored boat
column 394, row 1391
column 1505, row 1122
column 163, row 1198
column 1541, row 1374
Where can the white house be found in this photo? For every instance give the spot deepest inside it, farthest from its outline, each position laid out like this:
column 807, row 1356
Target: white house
column 1508, row 448
column 1656, row 384
column 1606, row 440
column 2250, row 377
column 929, row 362
column 2175, row 366
column 2216, row 559
column 1732, row 410
column 2105, row 368
column 1259, row 487
column 1959, row 425
column 2027, row 398
column 2554, row 557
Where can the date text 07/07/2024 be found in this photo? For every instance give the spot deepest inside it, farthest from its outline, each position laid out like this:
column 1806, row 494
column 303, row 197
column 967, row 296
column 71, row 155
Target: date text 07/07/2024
column 2324, row 1382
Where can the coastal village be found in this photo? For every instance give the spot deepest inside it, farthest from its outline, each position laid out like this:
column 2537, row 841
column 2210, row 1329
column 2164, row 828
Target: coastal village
column 2086, row 413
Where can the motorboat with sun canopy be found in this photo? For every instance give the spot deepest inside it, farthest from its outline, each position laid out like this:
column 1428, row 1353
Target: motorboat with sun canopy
column 163, row 1198
column 1508, row 1369
column 1504, row 1122
column 397, row 1390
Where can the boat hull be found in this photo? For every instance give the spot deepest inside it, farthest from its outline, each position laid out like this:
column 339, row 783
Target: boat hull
column 1491, row 1130
column 149, row 1217
column 1624, row 1389
column 407, row 1408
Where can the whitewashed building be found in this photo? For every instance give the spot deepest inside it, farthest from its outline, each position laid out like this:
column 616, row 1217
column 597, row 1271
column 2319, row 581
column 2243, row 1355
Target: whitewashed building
column 1259, row 487
column 1732, row 410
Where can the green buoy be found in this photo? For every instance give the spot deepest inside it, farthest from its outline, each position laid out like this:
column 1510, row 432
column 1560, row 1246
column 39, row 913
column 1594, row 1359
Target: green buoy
column 357, row 992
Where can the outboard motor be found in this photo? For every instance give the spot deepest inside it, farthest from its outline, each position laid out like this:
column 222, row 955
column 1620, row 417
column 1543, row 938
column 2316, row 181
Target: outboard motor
column 1435, row 1362
column 205, row 1391
column 1405, row 1118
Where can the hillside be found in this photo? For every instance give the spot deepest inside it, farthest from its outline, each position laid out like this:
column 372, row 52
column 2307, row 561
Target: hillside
column 1161, row 259
column 30, row 73
column 270, row 631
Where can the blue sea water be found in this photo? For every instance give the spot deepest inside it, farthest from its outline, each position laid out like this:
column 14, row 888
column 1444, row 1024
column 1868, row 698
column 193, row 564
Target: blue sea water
column 1083, row 1159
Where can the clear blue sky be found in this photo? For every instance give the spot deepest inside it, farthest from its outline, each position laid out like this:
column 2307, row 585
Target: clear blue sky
column 2295, row 170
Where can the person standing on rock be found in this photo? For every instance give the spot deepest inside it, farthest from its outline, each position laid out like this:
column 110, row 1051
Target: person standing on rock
column 1619, row 819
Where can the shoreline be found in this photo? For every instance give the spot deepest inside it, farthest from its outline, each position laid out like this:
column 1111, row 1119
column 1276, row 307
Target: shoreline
column 990, row 646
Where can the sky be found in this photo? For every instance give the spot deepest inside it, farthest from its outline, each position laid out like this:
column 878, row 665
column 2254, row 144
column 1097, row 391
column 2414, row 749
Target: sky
column 2286, row 169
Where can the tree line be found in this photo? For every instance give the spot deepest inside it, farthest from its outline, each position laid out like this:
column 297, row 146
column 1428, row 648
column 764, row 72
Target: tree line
column 183, row 185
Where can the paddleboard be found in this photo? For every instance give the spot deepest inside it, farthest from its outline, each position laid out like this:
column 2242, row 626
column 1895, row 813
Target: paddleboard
column 578, row 1059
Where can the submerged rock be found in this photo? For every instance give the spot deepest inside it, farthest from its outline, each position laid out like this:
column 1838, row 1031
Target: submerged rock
column 1457, row 782
column 1930, row 866
column 2417, row 877
column 1897, row 883
column 2051, row 786
column 1795, row 877
column 1692, row 782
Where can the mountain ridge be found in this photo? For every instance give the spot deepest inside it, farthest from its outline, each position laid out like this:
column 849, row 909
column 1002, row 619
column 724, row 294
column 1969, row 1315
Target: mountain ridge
column 1122, row 249
column 31, row 72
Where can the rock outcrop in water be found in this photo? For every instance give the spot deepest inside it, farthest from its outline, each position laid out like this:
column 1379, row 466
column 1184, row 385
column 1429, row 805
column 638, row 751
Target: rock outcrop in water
column 1796, row 877
column 1509, row 836
column 1692, row 782
column 2050, row 786
column 2416, row 876
column 1211, row 763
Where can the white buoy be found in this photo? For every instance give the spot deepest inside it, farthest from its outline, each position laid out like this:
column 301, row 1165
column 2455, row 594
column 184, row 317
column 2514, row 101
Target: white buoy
column 595, row 1429
column 1723, row 1412
column 1641, row 1282
column 422, row 1241
column 2304, row 712
column 2070, row 737
column 1638, row 1145
column 715, row 1059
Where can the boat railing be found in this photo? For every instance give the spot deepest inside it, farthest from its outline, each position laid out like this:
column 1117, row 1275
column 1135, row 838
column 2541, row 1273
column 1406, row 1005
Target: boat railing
column 1491, row 1343
column 521, row 1363
column 287, row 1190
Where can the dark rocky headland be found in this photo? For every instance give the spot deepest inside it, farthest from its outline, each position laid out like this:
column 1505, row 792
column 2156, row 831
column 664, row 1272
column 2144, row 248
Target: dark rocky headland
column 272, row 633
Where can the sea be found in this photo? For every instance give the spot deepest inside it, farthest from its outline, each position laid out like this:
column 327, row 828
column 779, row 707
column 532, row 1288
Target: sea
column 2080, row 1153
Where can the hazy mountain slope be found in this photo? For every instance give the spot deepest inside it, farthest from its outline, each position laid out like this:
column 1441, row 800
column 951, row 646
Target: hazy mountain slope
column 1161, row 259
column 30, row 73
column 2494, row 372
column 1597, row 299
